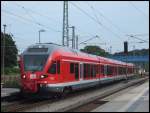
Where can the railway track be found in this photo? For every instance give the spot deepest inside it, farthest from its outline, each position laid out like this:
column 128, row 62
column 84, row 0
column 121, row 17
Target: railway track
column 12, row 104
column 25, row 105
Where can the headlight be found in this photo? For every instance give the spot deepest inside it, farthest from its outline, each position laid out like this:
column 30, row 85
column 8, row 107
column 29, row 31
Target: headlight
column 43, row 76
column 24, row 76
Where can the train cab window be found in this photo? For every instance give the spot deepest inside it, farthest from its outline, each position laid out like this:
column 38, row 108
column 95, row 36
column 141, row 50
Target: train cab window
column 52, row 69
column 34, row 62
column 71, row 67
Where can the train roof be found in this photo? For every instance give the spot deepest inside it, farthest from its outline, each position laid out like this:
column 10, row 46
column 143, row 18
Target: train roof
column 48, row 48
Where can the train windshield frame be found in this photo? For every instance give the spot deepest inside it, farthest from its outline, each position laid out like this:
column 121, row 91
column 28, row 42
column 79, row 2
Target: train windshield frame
column 34, row 62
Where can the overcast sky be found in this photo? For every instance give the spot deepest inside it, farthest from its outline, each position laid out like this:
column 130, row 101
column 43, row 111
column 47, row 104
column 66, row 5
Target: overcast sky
column 110, row 20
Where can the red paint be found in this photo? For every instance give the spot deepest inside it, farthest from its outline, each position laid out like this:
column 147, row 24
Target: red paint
column 30, row 85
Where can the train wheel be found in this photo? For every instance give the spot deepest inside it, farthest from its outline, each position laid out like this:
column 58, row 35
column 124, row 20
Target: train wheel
column 22, row 93
column 65, row 92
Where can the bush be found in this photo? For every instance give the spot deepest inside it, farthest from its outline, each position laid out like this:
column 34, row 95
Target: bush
column 11, row 81
column 11, row 71
column 12, row 84
column 11, row 78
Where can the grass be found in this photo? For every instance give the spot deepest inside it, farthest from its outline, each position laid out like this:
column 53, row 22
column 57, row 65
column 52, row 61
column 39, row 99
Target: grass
column 11, row 71
column 12, row 84
column 11, row 78
column 3, row 109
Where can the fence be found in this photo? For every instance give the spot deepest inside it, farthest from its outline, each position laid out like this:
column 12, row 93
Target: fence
column 11, row 81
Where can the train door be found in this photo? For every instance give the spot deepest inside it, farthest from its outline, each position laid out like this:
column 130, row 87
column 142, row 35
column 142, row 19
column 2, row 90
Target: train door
column 76, row 71
column 81, row 71
column 116, row 72
column 105, row 70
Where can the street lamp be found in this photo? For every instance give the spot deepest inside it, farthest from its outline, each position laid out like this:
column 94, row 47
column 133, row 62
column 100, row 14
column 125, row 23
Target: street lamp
column 42, row 30
column 4, row 37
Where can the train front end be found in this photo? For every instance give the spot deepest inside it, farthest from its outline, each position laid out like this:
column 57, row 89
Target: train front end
column 33, row 66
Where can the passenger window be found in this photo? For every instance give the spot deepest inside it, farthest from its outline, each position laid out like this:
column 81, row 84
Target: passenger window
column 71, row 67
column 88, row 68
column 76, row 71
column 97, row 71
column 102, row 69
column 58, row 67
column 92, row 70
column 105, row 69
column 85, row 70
column 52, row 69
column 109, row 70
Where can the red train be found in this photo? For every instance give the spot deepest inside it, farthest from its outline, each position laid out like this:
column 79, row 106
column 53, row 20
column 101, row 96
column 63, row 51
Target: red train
column 53, row 68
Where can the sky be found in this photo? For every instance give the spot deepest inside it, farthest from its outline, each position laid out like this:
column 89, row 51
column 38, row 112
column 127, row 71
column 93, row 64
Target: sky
column 112, row 21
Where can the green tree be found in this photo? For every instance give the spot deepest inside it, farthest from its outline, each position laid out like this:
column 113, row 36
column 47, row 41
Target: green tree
column 10, row 50
column 95, row 50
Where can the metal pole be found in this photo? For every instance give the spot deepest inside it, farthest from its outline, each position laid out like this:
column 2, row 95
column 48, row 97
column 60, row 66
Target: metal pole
column 65, row 33
column 77, row 42
column 110, row 49
column 4, row 52
column 63, row 25
column 67, row 26
column 73, row 37
column 39, row 37
column 126, row 67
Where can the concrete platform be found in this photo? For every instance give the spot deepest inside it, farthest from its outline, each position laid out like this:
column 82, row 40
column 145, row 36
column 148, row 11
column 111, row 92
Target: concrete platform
column 8, row 91
column 134, row 99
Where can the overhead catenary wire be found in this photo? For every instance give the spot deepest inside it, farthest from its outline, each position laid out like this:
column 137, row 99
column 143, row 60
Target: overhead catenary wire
column 88, row 40
column 37, row 13
column 31, row 21
column 106, row 18
column 12, row 17
column 135, row 37
column 98, row 22
column 46, row 17
column 144, row 34
column 24, row 20
column 137, row 9
column 27, row 12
